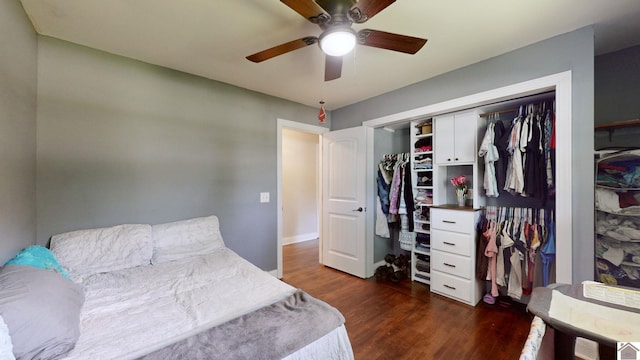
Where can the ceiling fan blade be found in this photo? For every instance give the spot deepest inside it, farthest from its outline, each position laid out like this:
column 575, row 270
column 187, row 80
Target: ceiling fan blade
column 390, row 41
column 332, row 67
column 308, row 9
column 282, row 49
column 366, row 9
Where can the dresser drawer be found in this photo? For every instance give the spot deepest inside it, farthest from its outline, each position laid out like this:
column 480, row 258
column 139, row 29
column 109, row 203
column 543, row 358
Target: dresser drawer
column 451, row 264
column 451, row 286
column 453, row 220
column 456, row 243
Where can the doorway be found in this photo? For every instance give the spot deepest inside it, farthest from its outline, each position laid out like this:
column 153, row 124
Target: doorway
column 299, row 196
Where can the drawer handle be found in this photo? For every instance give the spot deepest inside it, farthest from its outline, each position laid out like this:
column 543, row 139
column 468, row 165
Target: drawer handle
column 448, row 221
column 448, row 243
column 449, row 265
column 449, row 287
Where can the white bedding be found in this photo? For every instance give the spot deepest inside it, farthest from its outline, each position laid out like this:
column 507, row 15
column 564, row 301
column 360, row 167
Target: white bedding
column 333, row 346
column 131, row 312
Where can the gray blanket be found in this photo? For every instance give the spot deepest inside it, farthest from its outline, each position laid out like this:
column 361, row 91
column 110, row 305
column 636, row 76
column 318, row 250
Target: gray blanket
column 271, row 332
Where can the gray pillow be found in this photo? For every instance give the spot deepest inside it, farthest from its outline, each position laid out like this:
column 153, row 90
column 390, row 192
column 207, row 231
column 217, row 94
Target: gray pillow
column 42, row 311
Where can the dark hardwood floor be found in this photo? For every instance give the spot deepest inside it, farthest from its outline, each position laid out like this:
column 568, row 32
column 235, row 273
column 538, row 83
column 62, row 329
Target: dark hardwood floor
column 406, row 321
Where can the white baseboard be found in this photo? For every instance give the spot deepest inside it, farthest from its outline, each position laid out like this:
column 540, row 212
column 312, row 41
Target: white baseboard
column 299, row 238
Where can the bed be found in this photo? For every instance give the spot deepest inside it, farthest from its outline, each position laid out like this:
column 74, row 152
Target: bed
column 175, row 291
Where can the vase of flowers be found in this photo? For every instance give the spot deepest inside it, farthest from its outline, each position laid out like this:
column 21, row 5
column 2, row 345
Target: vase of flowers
column 460, row 182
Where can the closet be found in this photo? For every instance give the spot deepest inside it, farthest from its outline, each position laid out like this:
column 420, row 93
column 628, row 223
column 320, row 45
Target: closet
column 505, row 152
column 516, row 232
column 617, row 240
column 503, row 104
column 617, row 205
column 490, row 108
column 391, row 148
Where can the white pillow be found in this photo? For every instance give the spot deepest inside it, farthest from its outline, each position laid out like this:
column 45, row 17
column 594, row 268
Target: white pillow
column 6, row 348
column 182, row 239
column 86, row 252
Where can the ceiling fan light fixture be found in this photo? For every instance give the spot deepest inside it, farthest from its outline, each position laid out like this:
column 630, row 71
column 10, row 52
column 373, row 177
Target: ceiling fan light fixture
column 338, row 41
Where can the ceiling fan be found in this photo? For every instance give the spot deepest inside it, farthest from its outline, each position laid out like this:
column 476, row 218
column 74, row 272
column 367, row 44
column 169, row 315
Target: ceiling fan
column 338, row 38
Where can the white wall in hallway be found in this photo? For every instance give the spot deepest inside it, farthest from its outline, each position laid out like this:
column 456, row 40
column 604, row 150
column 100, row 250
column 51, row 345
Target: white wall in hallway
column 299, row 186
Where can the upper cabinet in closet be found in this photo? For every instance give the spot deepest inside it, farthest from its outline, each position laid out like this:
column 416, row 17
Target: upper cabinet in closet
column 455, row 138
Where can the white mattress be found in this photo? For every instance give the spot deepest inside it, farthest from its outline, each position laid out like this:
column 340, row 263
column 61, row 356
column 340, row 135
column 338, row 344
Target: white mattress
column 132, row 312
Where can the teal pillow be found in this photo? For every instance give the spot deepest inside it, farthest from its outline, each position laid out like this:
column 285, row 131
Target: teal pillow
column 40, row 257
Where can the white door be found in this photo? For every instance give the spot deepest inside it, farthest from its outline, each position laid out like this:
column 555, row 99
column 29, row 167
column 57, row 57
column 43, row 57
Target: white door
column 344, row 200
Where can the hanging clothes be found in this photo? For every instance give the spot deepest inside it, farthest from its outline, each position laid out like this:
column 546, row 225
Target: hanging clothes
column 394, row 192
column 519, row 159
column 525, row 154
column 408, row 195
column 382, row 226
column 383, row 192
column 535, row 171
column 515, row 178
column 501, row 142
column 520, row 238
column 396, row 186
column 548, row 253
column 482, row 262
column 490, row 153
column 491, row 251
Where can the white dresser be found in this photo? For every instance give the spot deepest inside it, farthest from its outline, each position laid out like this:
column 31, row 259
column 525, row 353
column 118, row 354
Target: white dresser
column 453, row 254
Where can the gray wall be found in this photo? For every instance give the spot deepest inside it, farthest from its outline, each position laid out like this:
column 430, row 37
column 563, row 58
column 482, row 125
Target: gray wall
column 617, row 86
column 18, row 61
column 121, row 141
column 617, row 95
column 572, row 51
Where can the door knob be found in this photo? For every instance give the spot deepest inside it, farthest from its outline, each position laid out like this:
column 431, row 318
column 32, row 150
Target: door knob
column 360, row 209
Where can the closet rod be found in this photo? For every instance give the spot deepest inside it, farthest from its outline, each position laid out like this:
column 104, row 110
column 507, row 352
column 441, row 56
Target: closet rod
column 498, row 112
column 522, row 98
column 617, row 124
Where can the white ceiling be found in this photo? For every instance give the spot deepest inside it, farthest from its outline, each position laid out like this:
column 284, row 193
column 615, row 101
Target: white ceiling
column 211, row 38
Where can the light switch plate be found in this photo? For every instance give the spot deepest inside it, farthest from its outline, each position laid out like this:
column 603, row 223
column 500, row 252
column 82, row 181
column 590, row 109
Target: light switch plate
column 264, row 197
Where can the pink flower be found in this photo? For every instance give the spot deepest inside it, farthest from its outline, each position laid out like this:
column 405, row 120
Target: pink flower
column 459, row 182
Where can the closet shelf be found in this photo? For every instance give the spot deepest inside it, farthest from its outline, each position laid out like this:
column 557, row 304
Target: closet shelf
column 617, row 188
column 422, row 251
column 422, row 136
column 620, row 213
column 612, row 126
